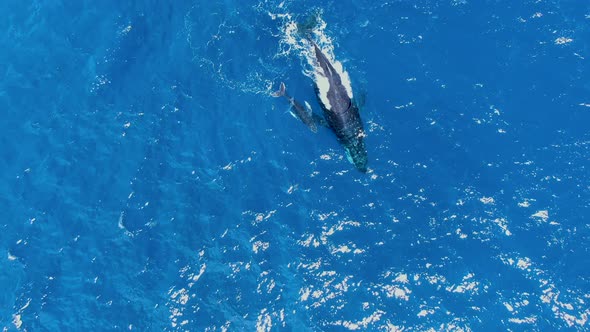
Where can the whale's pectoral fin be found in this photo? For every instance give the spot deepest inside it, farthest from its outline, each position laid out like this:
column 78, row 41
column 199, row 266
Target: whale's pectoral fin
column 308, row 108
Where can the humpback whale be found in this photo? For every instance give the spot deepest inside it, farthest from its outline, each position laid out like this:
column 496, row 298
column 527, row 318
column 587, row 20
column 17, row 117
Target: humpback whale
column 340, row 111
column 306, row 116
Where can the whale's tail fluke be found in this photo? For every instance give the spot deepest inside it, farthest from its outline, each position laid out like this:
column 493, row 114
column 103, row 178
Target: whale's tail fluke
column 280, row 92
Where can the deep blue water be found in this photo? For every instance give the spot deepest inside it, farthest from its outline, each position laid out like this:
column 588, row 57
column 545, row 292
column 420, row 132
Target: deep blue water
column 150, row 183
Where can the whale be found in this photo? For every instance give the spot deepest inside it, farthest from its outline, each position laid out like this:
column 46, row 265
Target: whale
column 305, row 114
column 340, row 111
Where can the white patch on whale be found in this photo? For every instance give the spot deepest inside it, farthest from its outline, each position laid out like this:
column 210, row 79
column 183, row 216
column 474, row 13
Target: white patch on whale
column 323, row 85
column 344, row 77
column 348, row 156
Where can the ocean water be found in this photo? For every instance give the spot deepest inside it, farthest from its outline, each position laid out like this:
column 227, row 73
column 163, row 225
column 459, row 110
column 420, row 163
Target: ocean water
column 149, row 182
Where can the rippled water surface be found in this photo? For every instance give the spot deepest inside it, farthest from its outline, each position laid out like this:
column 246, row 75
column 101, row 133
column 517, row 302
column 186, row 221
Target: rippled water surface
column 149, row 181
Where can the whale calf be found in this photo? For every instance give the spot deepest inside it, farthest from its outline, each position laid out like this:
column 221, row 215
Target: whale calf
column 306, row 115
column 340, row 111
